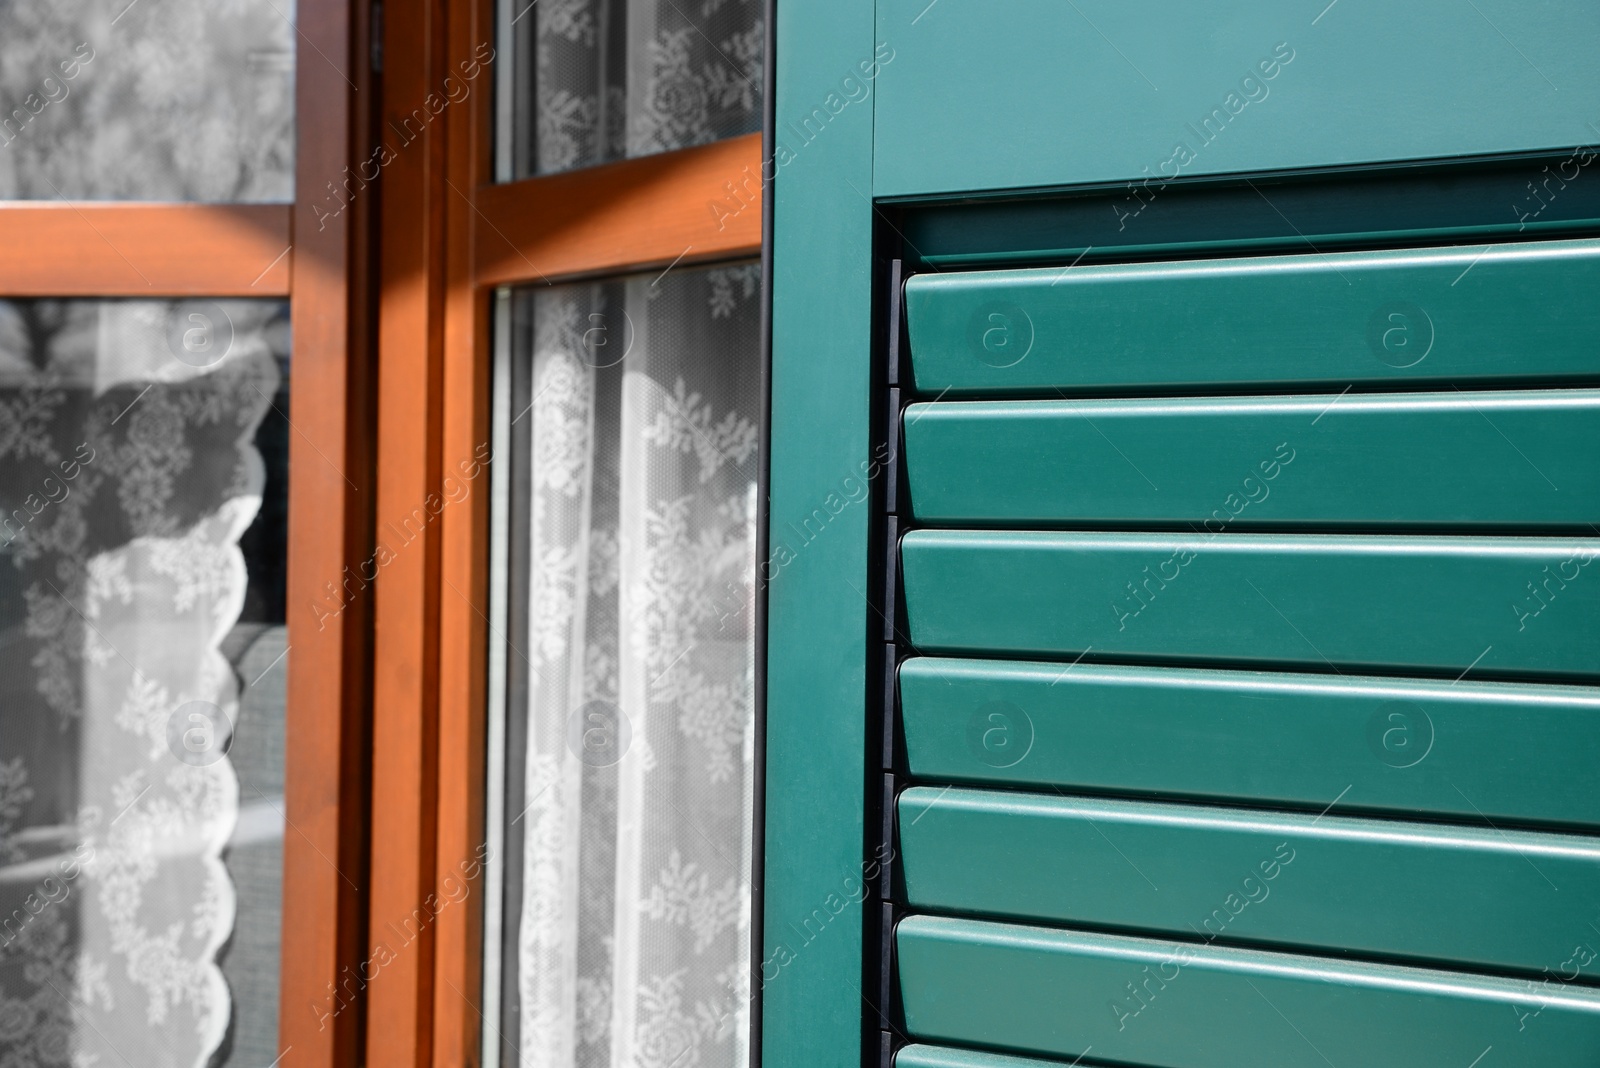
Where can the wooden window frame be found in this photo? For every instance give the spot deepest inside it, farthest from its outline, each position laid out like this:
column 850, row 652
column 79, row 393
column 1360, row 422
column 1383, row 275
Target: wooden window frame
column 106, row 249
column 450, row 236
column 390, row 319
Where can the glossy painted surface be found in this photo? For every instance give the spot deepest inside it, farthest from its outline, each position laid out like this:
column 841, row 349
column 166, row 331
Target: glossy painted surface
column 1500, row 459
column 1472, row 313
column 1053, row 94
column 811, row 1008
column 1510, row 752
column 1374, row 888
column 1146, row 1002
column 1438, row 604
column 920, row 1056
column 1034, row 94
column 1446, row 202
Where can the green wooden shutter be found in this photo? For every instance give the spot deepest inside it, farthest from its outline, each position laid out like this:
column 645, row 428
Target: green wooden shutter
column 1217, row 654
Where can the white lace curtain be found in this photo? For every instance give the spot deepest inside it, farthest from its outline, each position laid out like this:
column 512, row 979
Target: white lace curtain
column 630, row 805
column 127, row 476
column 619, row 78
column 112, row 100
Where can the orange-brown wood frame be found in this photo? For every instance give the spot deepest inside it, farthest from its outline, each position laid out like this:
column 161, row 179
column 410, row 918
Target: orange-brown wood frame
column 688, row 206
column 449, row 236
column 61, row 249
column 331, row 501
column 402, row 932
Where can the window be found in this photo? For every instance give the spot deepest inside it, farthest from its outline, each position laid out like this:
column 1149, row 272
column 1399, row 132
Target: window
column 634, row 408
column 603, row 80
column 153, row 102
column 181, row 852
column 142, row 804
column 259, row 689
column 627, row 415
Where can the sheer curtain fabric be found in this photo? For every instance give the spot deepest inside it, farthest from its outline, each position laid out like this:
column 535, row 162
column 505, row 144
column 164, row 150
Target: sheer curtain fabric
column 602, row 80
column 631, row 726
column 127, row 477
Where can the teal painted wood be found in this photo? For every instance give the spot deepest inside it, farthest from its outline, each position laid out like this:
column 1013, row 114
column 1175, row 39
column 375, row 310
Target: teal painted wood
column 1511, row 752
column 1484, row 313
column 1373, row 888
column 1231, row 463
column 1145, row 1002
column 1427, row 603
column 1050, row 94
column 1450, row 202
column 920, row 1056
column 816, row 672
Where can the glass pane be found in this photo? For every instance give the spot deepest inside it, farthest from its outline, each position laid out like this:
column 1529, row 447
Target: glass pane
column 143, row 454
column 149, row 100
column 601, row 80
column 629, row 681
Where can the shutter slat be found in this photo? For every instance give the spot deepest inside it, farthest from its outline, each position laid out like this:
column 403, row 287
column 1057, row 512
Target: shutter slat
column 921, row 1056
column 1147, row 1002
column 1333, row 461
column 1322, row 883
column 1434, row 604
column 1504, row 313
column 1511, row 752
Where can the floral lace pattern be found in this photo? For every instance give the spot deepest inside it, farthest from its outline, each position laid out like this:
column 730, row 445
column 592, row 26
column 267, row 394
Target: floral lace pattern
column 106, row 100
column 633, row 899
column 129, row 478
column 621, row 78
